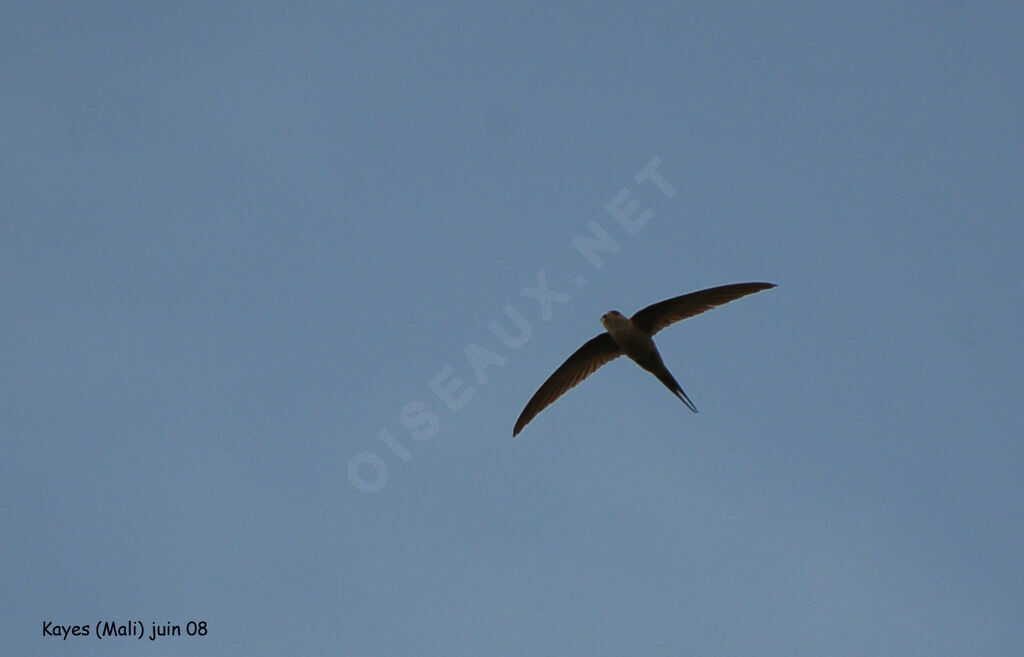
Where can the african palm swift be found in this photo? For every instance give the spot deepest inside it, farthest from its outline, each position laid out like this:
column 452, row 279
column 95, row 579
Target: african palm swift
column 632, row 336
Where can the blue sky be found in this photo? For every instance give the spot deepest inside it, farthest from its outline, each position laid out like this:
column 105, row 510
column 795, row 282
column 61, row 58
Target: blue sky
column 238, row 242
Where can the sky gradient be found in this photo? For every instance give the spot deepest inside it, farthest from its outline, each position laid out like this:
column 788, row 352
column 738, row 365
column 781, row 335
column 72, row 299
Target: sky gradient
column 276, row 281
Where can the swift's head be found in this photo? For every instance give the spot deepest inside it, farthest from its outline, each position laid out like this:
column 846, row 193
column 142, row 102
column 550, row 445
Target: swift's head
column 613, row 319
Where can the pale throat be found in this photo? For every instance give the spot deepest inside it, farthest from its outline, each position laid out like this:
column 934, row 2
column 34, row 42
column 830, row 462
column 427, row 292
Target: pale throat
column 618, row 325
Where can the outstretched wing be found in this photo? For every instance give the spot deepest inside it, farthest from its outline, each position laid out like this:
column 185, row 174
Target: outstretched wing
column 593, row 354
column 657, row 316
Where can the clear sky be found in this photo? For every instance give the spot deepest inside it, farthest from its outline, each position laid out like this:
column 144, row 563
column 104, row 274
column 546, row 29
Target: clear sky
column 259, row 270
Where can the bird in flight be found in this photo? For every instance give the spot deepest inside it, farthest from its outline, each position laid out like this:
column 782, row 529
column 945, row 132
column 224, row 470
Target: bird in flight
column 631, row 336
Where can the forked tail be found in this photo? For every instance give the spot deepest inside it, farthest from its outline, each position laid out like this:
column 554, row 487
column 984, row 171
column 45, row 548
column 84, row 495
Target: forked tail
column 670, row 382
